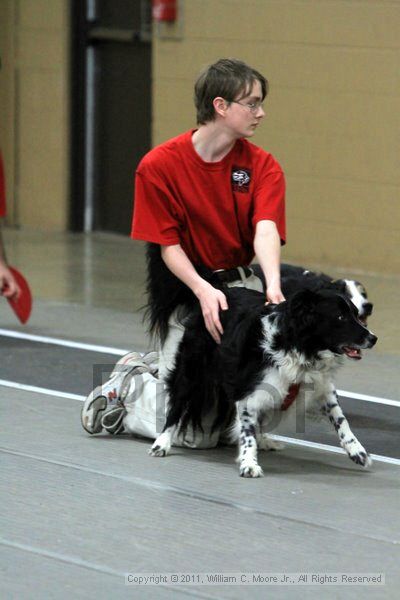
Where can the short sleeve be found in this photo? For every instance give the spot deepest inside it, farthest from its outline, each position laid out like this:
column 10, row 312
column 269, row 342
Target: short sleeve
column 154, row 219
column 269, row 201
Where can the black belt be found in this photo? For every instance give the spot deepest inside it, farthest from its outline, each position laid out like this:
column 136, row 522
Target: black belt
column 229, row 275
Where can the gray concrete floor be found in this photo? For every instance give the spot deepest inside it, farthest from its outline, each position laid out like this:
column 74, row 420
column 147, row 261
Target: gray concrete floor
column 79, row 511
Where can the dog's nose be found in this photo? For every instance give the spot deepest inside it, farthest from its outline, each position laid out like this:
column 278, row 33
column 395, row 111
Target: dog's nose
column 371, row 340
column 366, row 309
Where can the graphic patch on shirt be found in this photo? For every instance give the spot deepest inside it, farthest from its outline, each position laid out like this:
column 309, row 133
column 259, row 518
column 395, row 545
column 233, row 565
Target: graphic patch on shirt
column 241, row 179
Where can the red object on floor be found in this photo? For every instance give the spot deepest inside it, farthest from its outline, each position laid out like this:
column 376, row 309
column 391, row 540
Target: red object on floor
column 22, row 306
column 291, row 396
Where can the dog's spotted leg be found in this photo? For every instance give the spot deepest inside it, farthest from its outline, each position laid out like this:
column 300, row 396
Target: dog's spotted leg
column 247, row 459
column 347, row 439
column 162, row 445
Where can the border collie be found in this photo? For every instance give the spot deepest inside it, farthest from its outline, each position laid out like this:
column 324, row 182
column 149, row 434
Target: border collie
column 295, row 278
column 266, row 352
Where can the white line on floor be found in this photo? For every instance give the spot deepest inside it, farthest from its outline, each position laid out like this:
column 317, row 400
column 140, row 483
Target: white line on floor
column 366, row 398
column 317, row 446
column 58, row 342
column 120, row 352
column 40, row 390
column 47, row 392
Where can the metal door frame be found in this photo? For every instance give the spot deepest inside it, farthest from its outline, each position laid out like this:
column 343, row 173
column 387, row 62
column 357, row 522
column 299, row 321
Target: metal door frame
column 84, row 35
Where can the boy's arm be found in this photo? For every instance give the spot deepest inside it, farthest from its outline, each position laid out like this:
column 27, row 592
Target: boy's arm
column 267, row 247
column 211, row 300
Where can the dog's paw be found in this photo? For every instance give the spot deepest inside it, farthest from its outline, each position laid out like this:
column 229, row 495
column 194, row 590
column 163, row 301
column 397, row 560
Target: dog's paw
column 264, row 442
column 361, row 458
column 161, row 446
column 156, row 450
column 250, row 469
column 357, row 453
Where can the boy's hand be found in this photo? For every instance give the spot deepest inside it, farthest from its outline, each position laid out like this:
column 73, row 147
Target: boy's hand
column 8, row 286
column 211, row 302
column 274, row 295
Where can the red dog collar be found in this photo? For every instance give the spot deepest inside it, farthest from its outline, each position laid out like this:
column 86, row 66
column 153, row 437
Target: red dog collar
column 291, row 396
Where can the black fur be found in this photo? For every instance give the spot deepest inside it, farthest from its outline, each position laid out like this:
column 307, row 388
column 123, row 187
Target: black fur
column 295, row 278
column 208, row 376
column 265, row 352
column 166, row 293
column 205, row 377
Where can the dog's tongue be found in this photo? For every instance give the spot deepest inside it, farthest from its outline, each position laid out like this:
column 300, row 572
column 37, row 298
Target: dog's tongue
column 353, row 352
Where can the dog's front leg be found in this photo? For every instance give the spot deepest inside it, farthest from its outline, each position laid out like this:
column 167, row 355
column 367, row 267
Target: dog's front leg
column 347, row 439
column 162, row 445
column 248, row 465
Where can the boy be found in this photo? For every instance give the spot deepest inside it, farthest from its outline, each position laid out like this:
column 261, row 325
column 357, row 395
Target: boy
column 209, row 198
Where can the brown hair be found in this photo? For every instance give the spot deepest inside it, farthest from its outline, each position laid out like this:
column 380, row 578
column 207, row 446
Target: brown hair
column 228, row 78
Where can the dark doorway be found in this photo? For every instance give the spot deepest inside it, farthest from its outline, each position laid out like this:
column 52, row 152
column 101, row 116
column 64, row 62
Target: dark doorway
column 111, row 109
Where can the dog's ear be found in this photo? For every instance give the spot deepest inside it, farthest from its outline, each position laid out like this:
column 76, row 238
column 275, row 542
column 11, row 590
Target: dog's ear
column 301, row 307
column 304, row 298
column 339, row 285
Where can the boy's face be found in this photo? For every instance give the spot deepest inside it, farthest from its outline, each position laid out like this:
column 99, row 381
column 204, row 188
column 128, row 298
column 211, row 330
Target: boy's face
column 244, row 114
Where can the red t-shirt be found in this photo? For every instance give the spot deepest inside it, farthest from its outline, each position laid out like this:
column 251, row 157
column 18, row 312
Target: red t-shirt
column 210, row 209
column 2, row 189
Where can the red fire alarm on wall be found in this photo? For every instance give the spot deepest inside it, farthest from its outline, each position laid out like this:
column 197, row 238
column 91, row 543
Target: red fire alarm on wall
column 164, row 10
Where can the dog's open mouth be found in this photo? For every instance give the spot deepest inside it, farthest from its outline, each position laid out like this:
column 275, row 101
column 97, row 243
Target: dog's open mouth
column 351, row 352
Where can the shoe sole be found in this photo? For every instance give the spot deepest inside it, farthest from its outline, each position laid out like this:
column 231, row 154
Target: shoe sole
column 116, row 415
column 98, row 404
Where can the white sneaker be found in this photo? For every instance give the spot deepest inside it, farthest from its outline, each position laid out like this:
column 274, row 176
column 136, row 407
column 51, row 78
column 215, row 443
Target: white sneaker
column 104, row 407
column 149, row 361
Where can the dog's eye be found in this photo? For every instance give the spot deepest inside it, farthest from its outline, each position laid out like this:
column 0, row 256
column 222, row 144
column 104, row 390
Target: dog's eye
column 340, row 318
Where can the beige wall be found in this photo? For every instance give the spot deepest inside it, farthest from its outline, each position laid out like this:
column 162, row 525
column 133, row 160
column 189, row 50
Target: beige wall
column 34, row 111
column 7, row 99
column 333, row 117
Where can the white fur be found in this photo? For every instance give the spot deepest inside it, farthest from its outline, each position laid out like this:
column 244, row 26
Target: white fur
column 355, row 295
column 162, row 445
column 293, row 367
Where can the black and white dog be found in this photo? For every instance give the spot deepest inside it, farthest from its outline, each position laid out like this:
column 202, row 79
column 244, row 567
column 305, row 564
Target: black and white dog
column 294, row 278
column 265, row 352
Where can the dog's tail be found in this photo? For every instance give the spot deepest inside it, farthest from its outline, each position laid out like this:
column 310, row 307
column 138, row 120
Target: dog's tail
column 165, row 293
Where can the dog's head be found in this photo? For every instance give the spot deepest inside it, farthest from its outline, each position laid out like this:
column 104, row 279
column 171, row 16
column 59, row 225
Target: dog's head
column 326, row 320
column 357, row 293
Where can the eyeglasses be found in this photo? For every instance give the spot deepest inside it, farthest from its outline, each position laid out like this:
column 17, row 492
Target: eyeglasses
column 251, row 106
